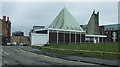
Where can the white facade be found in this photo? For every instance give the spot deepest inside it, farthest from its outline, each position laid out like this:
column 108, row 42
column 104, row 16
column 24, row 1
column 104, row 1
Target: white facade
column 39, row 39
column 88, row 38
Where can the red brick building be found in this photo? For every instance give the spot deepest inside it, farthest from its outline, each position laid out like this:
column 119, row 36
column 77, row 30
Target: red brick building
column 112, row 31
column 5, row 29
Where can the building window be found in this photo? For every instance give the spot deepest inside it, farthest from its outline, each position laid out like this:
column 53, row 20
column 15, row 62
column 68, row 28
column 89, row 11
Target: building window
column 106, row 29
column 109, row 32
column 110, row 36
column 42, row 32
column 112, row 28
column 109, row 28
column 106, row 32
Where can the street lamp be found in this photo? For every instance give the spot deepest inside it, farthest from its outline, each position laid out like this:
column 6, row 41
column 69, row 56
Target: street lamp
column 25, row 28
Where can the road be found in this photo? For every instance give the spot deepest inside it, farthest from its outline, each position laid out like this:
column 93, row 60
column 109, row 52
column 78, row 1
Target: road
column 13, row 55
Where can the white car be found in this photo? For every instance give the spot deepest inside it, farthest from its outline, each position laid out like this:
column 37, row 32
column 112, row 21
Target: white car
column 8, row 44
column 21, row 44
column 14, row 43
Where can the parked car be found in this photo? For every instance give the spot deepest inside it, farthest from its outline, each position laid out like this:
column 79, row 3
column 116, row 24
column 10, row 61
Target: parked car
column 21, row 44
column 8, row 44
column 14, row 43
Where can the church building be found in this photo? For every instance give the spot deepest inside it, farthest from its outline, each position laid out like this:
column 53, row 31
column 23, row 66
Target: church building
column 64, row 29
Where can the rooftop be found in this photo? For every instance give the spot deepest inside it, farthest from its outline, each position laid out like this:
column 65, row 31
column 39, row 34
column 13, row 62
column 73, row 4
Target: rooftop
column 65, row 20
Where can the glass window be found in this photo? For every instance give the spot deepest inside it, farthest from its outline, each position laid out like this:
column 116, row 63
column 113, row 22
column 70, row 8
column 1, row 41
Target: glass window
column 106, row 32
column 106, row 29
column 110, row 36
column 109, row 28
column 42, row 32
column 112, row 28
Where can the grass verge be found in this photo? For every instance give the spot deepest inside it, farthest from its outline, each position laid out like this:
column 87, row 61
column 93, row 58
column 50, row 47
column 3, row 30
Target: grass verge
column 105, row 47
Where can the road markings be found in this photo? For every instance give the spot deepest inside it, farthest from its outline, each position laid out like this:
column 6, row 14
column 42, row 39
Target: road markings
column 44, row 56
column 6, row 53
column 50, row 57
column 33, row 53
column 27, row 51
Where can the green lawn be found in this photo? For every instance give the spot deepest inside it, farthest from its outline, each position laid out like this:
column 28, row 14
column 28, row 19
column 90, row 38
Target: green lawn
column 105, row 47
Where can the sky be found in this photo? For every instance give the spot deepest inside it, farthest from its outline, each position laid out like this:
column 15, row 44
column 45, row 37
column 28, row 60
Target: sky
column 25, row 15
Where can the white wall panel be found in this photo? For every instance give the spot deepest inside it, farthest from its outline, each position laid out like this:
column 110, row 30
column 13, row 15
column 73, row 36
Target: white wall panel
column 39, row 39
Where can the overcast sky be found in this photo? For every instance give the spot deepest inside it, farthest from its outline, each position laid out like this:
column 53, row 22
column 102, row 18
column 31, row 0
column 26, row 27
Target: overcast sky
column 29, row 14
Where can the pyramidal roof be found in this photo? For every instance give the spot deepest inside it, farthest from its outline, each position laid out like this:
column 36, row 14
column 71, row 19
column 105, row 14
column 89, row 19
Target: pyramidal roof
column 65, row 20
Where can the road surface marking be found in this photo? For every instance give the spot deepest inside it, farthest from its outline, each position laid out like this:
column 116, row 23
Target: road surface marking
column 33, row 53
column 5, row 61
column 27, row 51
column 44, row 55
column 6, row 53
column 48, row 56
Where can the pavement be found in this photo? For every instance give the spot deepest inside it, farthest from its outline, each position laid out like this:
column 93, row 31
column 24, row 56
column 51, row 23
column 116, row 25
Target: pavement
column 105, row 62
column 0, row 55
column 18, row 56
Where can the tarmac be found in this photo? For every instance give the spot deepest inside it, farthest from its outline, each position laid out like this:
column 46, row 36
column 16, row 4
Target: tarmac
column 100, row 61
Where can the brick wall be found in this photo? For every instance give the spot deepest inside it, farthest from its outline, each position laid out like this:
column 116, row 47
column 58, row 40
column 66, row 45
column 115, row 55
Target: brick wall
column 6, row 30
column 19, row 39
column 0, row 26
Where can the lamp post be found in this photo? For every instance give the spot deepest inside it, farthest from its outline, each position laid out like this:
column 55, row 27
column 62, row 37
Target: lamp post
column 25, row 28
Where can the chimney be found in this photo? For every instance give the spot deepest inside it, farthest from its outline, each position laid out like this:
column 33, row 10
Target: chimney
column 4, row 18
column 7, row 18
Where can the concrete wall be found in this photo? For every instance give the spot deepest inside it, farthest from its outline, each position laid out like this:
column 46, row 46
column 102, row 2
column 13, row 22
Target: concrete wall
column 39, row 39
column 93, row 24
